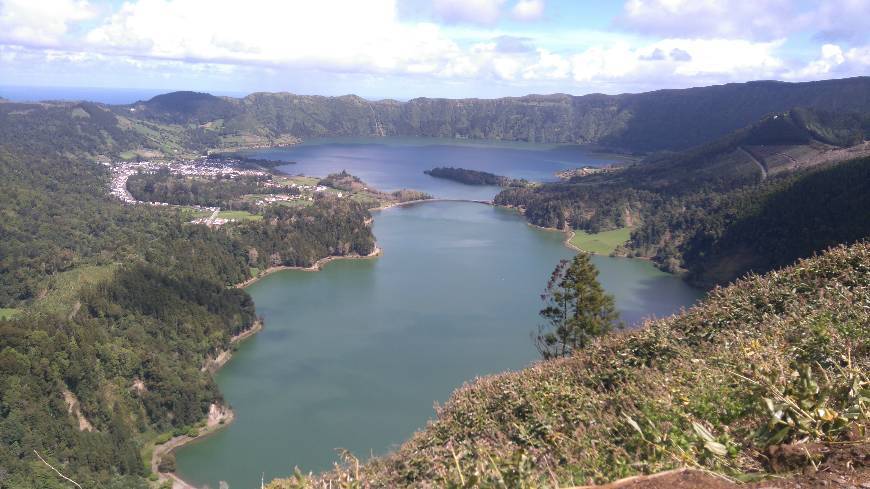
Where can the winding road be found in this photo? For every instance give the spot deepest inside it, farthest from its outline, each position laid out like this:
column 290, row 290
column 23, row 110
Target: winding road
column 761, row 165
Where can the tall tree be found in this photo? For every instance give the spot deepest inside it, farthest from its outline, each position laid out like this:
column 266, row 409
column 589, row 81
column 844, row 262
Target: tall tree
column 577, row 308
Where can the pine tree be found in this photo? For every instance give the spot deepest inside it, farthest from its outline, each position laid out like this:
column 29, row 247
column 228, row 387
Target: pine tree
column 577, row 308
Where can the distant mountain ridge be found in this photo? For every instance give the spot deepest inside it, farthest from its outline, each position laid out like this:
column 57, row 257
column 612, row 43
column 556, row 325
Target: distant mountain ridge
column 644, row 122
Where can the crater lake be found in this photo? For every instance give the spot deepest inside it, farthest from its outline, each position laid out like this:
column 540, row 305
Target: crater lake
column 356, row 355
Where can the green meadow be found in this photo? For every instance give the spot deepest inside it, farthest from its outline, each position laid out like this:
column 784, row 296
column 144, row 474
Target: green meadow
column 603, row 243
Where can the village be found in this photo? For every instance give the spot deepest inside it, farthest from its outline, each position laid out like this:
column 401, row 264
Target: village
column 299, row 189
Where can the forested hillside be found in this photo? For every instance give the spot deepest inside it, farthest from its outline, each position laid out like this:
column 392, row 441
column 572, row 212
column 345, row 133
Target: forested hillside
column 754, row 200
column 86, row 128
column 723, row 387
column 111, row 311
column 108, row 298
column 645, row 122
column 665, row 119
column 720, row 237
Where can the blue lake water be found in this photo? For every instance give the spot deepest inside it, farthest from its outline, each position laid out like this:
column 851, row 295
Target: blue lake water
column 394, row 163
column 355, row 356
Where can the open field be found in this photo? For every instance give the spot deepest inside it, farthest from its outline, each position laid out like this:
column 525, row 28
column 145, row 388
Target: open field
column 239, row 216
column 366, row 199
column 62, row 289
column 7, row 313
column 298, row 180
column 295, row 203
column 192, row 213
column 603, row 243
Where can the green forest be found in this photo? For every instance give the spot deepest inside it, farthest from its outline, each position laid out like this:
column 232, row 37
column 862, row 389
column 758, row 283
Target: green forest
column 474, row 177
column 119, row 307
column 642, row 122
column 710, row 212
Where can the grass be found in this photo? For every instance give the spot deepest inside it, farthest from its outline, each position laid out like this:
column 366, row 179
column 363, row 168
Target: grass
column 296, row 203
column 769, row 360
column 239, row 216
column 61, row 290
column 193, row 213
column 8, row 312
column 603, row 243
column 297, row 179
column 365, row 199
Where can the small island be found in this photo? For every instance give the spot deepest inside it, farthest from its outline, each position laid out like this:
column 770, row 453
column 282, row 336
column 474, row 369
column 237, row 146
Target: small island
column 475, row 177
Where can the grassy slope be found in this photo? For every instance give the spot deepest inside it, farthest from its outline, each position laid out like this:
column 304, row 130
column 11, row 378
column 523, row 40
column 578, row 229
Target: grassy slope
column 7, row 313
column 640, row 402
column 62, row 290
column 603, row 243
column 239, row 215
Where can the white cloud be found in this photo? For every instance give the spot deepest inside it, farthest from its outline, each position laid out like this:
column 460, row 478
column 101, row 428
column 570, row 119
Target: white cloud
column 331, row 34
column 484, row 12
column 353, row 40
column 528, row 10
column 672, row 59
column 549, row 66
column 604, row 62
column 40, row 22
column 834, row 61
column 832, row 56
column 724, row 57
column 730, row 19
column 368, row 38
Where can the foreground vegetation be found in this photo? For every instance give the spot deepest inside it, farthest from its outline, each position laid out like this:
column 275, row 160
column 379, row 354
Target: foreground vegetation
column 576, row 311
column 775, row 359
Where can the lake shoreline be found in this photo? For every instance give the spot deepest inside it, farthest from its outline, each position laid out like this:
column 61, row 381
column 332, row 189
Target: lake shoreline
column 318, row 265
column 197, row 459
column 219, row 417
column 569, row 235
column 224, row 414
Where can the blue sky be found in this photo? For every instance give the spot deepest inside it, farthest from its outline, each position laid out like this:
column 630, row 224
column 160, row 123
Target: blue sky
column 448, row 48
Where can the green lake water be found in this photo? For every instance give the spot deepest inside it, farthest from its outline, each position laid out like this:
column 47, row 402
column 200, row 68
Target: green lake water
column 355, row 356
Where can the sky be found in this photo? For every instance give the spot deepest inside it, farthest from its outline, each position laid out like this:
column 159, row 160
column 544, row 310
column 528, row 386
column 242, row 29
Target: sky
column 436, row 48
